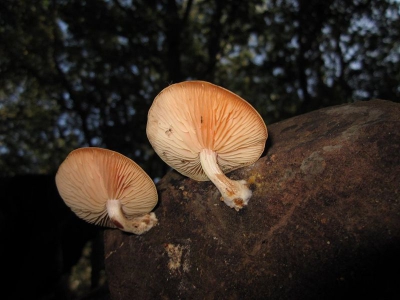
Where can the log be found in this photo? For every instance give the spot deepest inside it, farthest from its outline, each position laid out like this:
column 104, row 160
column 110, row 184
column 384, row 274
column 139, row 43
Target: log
column 323, row 221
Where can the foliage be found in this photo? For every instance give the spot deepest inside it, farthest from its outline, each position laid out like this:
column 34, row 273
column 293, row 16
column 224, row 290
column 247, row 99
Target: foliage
column 84, row 73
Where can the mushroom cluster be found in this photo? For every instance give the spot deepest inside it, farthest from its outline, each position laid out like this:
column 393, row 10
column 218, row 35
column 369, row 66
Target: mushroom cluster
column 199, row 129
column 106, row 188
column 204, row 131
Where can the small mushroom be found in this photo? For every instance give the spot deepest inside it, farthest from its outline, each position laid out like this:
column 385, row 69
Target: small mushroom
column 203, row 131
column 106, row 188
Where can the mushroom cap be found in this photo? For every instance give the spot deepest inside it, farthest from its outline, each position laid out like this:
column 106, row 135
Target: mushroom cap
column 88, row 177
column 190, row 116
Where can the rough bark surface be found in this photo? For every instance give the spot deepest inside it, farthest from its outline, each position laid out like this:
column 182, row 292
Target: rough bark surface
column 323, row 221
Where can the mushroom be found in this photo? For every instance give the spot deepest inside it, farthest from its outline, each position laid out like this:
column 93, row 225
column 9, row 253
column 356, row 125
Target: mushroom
column 106, row 188
column 203, row 131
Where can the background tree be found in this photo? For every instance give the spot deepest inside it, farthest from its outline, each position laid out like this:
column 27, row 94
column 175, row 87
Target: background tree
column 84, row 73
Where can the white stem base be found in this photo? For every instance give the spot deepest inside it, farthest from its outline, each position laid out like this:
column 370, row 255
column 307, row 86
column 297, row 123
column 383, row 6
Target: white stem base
column 235, row 194
column 138, row 225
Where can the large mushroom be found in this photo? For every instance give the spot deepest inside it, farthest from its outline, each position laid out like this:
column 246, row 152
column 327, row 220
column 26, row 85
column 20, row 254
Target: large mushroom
column 203, row 131
column 106, row 188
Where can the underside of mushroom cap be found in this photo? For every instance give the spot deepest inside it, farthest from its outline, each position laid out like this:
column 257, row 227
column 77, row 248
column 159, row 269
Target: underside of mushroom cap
column 190, row 116
column 89, row 177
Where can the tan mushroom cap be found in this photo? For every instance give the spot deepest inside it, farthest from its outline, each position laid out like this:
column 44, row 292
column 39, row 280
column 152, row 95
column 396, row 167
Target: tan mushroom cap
column 190, row 116
column 89, row 177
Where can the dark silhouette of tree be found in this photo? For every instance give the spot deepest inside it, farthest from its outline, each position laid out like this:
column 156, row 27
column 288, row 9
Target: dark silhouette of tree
column 84, row 73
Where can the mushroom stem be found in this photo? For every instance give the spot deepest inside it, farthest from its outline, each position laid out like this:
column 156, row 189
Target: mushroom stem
column 235, row 194
column 137, row 225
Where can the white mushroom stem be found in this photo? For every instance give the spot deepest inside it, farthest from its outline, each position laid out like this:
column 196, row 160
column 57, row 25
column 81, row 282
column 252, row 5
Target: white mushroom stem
column 235, row 194
column 136, row 225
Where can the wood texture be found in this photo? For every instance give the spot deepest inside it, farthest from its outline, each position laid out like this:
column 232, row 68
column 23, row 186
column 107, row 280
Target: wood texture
column 323, row 221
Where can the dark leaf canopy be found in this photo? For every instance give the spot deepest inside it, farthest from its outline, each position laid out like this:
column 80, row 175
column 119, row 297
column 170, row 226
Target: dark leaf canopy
column 84, row 73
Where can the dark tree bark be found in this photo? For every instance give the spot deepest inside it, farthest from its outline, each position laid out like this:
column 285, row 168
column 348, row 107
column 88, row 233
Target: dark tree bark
column 323, row 221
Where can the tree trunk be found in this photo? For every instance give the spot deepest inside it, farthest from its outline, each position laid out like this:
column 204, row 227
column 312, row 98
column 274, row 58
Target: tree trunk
column 323, row 221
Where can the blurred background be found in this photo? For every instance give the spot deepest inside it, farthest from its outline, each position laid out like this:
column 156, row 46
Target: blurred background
column 84, row 73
